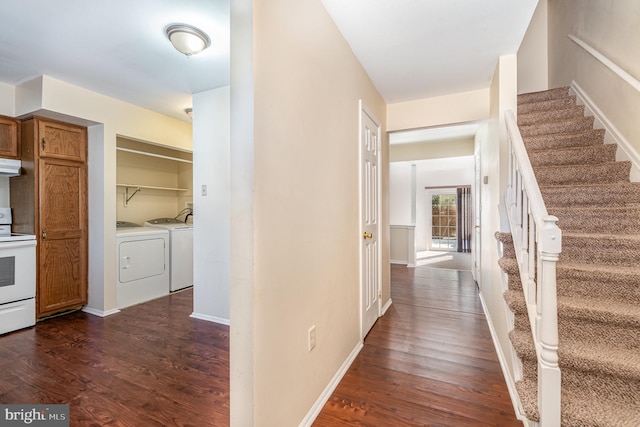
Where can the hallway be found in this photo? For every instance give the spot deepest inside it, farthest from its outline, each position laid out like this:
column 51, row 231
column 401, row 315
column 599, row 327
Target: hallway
column 429, row 361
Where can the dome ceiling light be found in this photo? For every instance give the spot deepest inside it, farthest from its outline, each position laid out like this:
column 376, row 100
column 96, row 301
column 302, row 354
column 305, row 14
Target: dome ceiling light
column 187, row 39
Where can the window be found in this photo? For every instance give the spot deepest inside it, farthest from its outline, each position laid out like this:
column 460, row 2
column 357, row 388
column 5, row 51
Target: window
column 443, row 222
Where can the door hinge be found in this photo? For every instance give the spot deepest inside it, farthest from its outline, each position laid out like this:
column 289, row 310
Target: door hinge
column 44, row 144
column 379, row 295
column 44, row 234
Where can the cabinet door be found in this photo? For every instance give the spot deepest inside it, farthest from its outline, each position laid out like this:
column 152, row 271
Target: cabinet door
column 62, row 141
column 8, row 138
column 62, row 246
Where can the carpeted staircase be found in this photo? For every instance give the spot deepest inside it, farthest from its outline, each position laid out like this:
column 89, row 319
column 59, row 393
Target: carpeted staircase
column 598, row 275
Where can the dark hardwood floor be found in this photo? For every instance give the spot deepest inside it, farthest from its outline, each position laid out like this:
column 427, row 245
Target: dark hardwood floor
column 429, row 361
column 150, row 365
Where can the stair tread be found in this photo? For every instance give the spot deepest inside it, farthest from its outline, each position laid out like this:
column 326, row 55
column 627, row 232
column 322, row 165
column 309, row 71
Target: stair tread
column 586, row 165
column 559, row 92
column 573, row 149
column 631, row 237
column 603, row 186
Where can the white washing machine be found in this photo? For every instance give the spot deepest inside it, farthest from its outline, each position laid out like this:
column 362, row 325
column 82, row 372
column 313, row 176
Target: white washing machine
column 180, row 252
column 143, row 264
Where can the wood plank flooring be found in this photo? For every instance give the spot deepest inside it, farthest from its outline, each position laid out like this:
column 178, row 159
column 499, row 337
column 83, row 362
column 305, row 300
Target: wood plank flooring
column 429, row 361
column 150, row 365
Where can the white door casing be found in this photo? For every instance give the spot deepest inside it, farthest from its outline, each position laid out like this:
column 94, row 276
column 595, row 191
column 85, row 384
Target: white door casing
column 477, row 208
column 370, row 283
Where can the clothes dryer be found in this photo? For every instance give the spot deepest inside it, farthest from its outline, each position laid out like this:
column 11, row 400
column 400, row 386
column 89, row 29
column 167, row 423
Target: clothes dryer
column 143, row 264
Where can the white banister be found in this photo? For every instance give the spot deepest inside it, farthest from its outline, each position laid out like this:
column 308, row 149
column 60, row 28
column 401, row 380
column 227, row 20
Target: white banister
column 538, row 243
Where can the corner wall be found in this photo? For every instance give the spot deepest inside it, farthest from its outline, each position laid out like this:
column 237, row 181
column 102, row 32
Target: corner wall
column 212, row 213
column 493, row 152
column 533, row 56
column 302, row 204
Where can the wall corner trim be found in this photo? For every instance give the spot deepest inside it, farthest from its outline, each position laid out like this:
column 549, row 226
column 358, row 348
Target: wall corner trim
column 209, row 318
column 100, row 313
column 386, row 307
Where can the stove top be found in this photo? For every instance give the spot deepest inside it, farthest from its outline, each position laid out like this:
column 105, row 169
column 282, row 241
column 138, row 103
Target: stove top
column 16, row 237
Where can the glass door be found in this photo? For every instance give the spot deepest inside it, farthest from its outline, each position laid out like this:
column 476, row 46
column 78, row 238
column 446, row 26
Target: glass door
column 443, row 222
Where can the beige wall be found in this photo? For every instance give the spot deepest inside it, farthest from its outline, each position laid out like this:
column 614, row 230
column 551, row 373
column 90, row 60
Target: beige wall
column 533, row 73
column 7, row 100
column 307, row 84
column 613, row 28
column 440, row 110
column 431, row 150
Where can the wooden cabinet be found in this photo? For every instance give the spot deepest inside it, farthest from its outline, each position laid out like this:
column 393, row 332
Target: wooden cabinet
column 9, row 138
column 50, row 200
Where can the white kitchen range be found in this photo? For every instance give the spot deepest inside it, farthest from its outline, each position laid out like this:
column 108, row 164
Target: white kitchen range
column 17, row 277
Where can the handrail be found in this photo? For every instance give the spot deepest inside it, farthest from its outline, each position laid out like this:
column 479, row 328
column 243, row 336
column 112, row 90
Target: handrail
column 538, row 242
column 607, row 62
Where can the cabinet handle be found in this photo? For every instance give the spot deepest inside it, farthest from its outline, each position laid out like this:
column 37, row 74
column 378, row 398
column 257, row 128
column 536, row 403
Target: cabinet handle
column 44, row 144
column 44, row 234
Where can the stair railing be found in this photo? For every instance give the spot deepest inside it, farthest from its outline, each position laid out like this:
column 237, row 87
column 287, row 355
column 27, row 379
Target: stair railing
column 538, row 242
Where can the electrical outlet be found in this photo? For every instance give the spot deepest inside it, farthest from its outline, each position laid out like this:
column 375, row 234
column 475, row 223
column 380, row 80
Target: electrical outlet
column 312, row 337
column 203, row 190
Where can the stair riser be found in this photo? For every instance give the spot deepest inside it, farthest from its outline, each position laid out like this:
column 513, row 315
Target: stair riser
column 599, row 224
column 582, row 139
column 595, row 174
column 552, row 104
column 550, row 115
column 597, row 253
column 590, row 287
column 583, row 156
column 564, row 126
column 594, row 385
column 574, row 197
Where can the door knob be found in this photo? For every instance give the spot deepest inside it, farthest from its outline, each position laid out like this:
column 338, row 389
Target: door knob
column 366, row 235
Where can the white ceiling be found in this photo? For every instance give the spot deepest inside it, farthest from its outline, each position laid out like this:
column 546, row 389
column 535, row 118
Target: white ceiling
column 411, row 48
column 116, row 47
column 415, row 49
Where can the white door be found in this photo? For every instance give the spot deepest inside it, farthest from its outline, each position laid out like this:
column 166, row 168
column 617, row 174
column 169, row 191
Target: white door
column 370, row 220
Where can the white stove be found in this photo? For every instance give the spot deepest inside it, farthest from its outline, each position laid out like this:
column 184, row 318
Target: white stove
column 17, row 277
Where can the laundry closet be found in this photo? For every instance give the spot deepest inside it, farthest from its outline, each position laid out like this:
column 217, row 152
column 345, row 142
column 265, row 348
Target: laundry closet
column 154, row 228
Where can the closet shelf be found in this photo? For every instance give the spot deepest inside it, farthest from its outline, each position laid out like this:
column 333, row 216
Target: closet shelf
column 127, row 187
column 146, row 153
column 150, row 187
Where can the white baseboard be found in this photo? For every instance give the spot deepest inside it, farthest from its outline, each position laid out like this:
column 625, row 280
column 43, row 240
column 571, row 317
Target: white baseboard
column 209, row 318
column 308, row 420
column 100, row 313
column 511, row 384
column 398, row 261
column 386, row 307
column 612, row 134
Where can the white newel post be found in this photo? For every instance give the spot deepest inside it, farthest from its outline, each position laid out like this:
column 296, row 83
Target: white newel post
column 549, row 382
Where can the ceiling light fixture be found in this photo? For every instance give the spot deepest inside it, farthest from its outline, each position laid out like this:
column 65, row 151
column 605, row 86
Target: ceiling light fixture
column 187, row 39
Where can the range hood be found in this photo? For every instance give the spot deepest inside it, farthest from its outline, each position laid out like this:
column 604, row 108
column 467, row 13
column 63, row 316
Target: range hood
column 10, row 167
